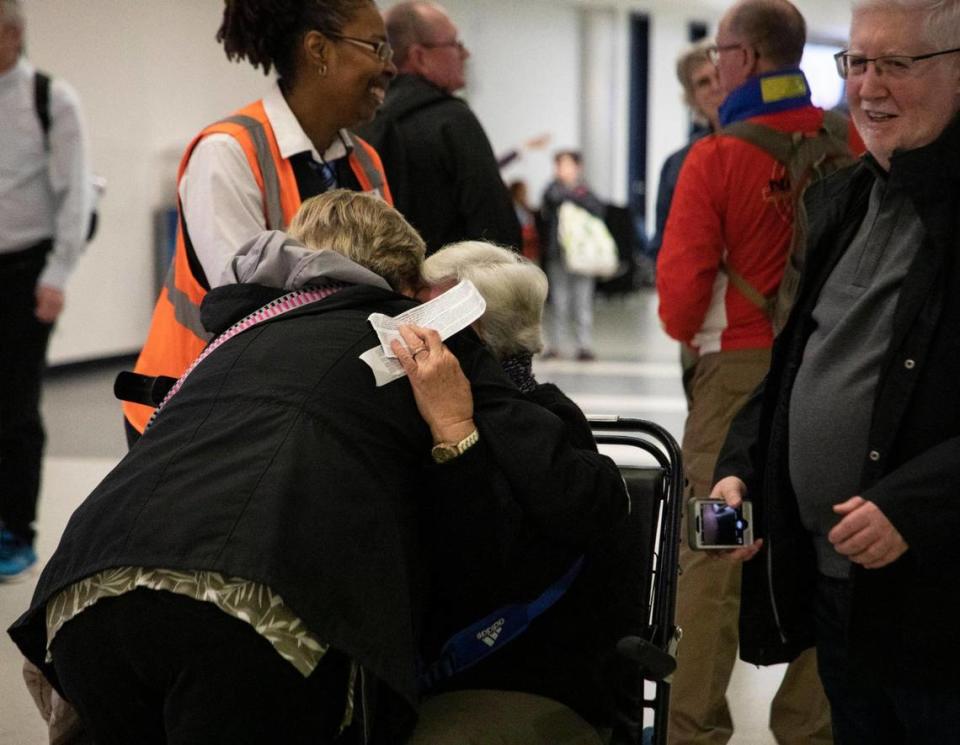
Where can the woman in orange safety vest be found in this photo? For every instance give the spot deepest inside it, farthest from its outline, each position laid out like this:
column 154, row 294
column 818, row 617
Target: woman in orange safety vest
column 250, row 171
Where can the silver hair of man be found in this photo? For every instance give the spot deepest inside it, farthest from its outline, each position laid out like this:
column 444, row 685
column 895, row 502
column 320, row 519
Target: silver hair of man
column 941, row 24
column 513, row 287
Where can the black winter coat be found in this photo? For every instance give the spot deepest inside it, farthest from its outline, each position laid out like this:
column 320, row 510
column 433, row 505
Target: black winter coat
column 280, row 462
column 442, row 171
column 569, row 652
column 900, row 628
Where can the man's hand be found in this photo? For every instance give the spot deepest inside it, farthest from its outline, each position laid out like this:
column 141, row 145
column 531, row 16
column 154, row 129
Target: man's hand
column 49, row 303
column 733, row 491
column 865, row 535
column 539, row 142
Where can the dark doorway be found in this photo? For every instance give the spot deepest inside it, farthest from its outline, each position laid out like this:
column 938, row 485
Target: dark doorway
column 639, row 94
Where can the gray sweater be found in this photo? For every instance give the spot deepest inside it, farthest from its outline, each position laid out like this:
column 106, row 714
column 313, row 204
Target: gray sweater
column 832, row 401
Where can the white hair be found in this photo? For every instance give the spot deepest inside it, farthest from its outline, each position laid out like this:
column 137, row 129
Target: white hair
column 513, row 287
column 941, row 23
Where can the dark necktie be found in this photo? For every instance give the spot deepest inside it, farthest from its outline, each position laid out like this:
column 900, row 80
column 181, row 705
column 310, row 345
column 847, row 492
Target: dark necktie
column 312, row 177
column 327, row 174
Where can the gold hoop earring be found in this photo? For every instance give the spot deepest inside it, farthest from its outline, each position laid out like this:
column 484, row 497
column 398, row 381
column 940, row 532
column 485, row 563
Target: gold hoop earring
column 322, row 69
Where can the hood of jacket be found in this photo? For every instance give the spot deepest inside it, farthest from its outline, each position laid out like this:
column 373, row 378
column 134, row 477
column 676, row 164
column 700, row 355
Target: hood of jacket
column 271, row 265
column 408, row 93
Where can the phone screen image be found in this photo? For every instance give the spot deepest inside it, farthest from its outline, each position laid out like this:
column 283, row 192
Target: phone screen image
column 721, row 525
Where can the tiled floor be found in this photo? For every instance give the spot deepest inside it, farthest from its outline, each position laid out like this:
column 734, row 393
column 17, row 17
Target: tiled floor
column 636, row 375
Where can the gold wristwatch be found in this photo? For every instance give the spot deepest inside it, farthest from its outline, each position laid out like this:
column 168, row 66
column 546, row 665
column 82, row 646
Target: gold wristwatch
column 443, row 452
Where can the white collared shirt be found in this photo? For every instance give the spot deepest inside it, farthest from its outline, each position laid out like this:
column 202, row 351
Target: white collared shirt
column 43, row 195
column 222, row 204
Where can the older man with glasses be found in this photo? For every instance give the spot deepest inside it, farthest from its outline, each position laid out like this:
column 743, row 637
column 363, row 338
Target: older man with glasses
column 442, row 170
column 724, row 254
column 850, row 450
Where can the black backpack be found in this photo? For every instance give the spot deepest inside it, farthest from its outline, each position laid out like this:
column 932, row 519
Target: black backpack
column 807, row 158
column 41, row 102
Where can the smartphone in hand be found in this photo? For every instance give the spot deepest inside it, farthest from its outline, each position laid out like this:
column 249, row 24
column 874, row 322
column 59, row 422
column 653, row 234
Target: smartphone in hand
column 711, row 524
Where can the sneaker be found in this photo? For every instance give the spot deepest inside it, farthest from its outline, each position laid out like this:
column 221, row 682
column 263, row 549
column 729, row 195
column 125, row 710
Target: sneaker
column 585, row 355
column 16, row 558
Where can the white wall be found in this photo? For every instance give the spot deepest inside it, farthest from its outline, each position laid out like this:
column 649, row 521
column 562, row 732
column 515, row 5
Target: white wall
column 605, row 100
column 150, row 75
column 523, row 77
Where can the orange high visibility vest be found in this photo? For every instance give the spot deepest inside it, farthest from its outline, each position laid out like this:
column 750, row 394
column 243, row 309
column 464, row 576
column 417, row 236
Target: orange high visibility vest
column 176, row 336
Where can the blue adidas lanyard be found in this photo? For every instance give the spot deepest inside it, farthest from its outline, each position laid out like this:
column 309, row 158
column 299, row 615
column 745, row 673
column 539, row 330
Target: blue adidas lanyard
column 482, row 638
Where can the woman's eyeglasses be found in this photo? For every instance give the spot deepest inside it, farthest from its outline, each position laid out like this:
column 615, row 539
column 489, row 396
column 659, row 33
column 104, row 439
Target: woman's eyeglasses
column 382, row 49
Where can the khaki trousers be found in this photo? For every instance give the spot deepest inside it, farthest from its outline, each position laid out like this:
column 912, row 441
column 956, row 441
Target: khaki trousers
column 481, row 717
column 708, row 594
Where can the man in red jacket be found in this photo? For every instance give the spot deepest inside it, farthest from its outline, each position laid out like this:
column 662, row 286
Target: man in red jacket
column 732, row 212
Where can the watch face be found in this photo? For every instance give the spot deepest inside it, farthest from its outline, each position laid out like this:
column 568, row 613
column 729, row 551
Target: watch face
column 443, row 452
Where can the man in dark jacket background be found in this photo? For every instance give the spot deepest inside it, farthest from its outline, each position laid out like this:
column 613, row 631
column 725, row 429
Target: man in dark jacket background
column 442, row 171
column 850, row 449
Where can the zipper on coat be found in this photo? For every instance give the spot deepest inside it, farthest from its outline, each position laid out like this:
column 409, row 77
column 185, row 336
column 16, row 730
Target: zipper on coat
column 363, row 707
column 773, row 600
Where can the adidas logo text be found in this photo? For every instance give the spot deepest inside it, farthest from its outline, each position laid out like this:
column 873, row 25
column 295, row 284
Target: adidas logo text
column 489, row 635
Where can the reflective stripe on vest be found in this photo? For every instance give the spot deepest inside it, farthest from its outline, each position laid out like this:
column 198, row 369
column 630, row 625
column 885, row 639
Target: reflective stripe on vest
column 268, row 169
column 185, row 310
column 176, row 334
column 368, row 173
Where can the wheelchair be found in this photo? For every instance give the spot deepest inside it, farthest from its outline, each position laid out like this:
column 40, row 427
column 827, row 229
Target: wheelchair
column 656, row 493
column 634, row 684
column 647, row 652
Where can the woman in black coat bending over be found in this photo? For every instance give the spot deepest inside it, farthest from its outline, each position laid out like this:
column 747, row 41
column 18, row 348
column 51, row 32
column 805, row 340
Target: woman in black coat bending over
column 254, row 569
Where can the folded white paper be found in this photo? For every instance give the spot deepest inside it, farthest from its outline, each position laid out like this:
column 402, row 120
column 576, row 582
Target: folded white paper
column 447, row 314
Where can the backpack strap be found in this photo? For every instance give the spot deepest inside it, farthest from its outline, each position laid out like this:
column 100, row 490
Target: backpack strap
column 803, row 155
column 836, row 125
column 41, row 102
column 751, row 293
column 779, row 145
column 484, row 637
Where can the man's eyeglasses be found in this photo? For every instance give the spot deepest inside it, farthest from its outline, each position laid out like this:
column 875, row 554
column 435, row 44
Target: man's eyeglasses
column 713, row 51
column 382, row 49
column 892, row 66
column 455, row 43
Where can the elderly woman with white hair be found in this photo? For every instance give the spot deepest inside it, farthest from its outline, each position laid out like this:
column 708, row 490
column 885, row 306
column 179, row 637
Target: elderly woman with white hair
column 567, row 653
column 515, row 290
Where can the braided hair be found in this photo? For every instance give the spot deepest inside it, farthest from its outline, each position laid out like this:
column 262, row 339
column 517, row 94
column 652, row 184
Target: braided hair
column 266, row 32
